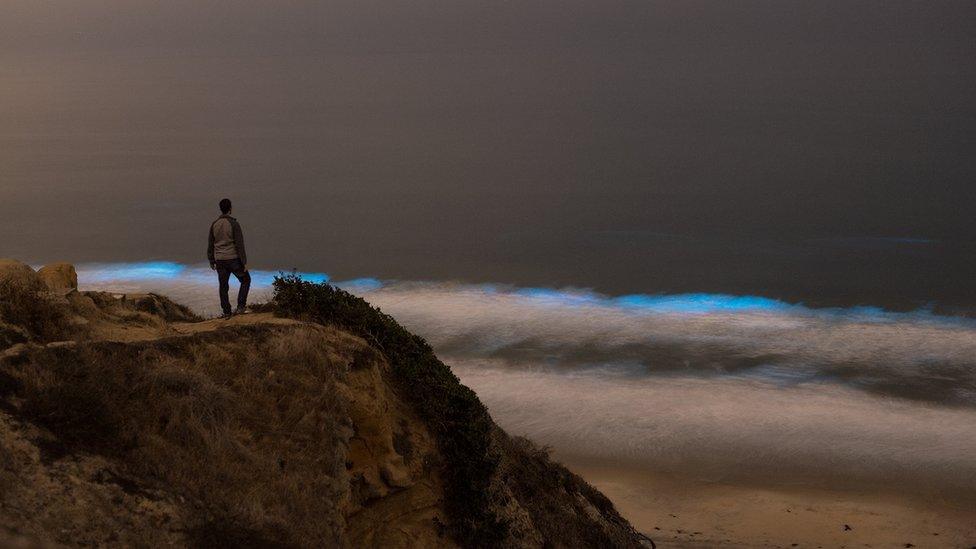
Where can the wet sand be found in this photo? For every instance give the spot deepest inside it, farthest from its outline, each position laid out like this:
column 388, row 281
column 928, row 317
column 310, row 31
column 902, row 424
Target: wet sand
column 688, row 513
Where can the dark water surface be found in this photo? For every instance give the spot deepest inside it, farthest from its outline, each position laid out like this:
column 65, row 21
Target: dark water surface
column 818, row 152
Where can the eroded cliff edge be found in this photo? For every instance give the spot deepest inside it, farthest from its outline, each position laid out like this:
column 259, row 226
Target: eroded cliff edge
column 125, row 420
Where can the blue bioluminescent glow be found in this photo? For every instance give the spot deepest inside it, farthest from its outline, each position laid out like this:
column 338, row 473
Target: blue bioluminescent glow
column 360, row 284
column 158, row 270
column 167, row 276
column 700, row 303
column 167, row 270
column 661, row 303
column 575, row 326
column 315, row 278
column 195, row 286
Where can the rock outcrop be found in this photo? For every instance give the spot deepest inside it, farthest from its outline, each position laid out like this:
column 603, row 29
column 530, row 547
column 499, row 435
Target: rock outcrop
column 59, row 277
column 134, row 423
column 21, row 275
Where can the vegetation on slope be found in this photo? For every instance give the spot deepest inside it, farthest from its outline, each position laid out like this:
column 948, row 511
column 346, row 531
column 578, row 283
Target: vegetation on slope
column 257, row 455
column 453, row 412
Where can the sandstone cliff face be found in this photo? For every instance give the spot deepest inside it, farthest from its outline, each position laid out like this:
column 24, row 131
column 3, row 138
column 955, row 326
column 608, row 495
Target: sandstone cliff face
column 127, row 421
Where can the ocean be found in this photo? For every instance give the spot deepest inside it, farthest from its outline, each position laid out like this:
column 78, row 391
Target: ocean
column 738, row 389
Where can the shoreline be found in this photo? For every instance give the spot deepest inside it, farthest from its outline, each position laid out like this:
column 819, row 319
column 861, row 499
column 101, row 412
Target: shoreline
column 689, row 513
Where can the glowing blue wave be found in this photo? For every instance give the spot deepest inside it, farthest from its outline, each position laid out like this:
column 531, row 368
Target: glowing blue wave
column 168, row 276
column 169, row 271
column 698, row 303
column 921, row 353
column 151, row 270
column 701, row 303
column 704, row 304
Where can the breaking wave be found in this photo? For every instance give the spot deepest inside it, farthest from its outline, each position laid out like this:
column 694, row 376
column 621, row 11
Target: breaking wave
column 732, row 388
column 919, row 356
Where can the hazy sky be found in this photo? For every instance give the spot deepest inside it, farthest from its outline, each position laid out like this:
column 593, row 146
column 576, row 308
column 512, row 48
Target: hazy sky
column 786, row 148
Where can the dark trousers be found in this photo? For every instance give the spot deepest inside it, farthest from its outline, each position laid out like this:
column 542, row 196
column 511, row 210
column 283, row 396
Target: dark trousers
column 224, row 269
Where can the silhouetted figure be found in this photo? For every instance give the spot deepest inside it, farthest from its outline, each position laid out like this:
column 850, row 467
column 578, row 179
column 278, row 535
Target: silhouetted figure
column 225, row 249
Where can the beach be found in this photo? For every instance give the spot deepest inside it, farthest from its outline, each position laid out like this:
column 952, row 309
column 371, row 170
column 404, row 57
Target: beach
column 683, row 512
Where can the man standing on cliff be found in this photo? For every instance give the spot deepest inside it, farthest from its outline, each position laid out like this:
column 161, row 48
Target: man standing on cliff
column 225, row 250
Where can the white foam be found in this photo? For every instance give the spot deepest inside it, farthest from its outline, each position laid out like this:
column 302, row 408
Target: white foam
column 735, row 430
column 728, row 387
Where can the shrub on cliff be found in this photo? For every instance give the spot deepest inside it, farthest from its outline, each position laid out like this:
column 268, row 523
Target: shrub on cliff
column 452, row 411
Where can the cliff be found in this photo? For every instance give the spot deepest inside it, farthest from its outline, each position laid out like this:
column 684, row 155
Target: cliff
column 125, row 420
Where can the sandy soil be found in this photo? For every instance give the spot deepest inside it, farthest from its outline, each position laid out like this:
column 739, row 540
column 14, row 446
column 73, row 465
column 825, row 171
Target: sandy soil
column 237, row 320
column 680, row 512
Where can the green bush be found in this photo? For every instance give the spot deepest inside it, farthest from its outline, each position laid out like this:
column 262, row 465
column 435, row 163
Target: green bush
column 453, row 412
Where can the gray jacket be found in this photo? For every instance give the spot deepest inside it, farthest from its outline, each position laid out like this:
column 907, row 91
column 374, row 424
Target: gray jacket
column 226, row 240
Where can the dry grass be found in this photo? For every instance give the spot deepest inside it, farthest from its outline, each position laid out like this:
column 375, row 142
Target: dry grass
column 243, row 425
column 452, row 411
column 28, row 309
column 564, row 507
column 165, row 308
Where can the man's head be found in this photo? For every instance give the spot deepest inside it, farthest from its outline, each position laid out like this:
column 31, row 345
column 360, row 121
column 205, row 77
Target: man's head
column 225, row 206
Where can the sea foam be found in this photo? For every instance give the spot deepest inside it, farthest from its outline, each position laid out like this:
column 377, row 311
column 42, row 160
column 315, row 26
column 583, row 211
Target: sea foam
column 728, row 387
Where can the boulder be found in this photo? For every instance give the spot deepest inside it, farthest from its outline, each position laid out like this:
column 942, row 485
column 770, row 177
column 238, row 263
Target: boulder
column 27, row 305
column 59, row 276
column 20, row 275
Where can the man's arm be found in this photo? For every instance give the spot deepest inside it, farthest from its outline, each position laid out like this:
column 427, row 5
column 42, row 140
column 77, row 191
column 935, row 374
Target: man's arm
column 210, row 247
column 239, row 243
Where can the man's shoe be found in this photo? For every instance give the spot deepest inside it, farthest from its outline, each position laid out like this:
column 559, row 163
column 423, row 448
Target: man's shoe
column 225, row 316
column 241, row 311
